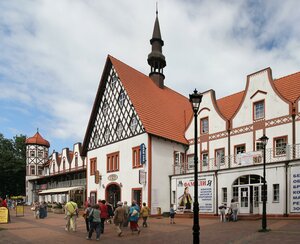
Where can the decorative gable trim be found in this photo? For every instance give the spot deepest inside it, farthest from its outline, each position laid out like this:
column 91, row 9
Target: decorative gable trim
column 258, row 91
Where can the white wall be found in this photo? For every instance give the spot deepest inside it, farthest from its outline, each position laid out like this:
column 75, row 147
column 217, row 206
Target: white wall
column 162, row 167
column 128, row 176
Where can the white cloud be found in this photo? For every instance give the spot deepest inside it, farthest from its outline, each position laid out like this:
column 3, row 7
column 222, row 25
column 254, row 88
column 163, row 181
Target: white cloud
column 53, row 52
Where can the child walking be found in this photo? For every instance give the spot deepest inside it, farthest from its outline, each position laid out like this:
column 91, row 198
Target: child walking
column 172, row 214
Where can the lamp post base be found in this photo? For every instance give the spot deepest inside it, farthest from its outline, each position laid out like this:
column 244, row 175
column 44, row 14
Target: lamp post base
column 264, row 230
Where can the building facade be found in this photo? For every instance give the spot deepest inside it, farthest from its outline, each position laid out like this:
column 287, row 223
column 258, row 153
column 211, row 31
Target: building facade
column 139, row 142
column 56, row 177
column 231, row 157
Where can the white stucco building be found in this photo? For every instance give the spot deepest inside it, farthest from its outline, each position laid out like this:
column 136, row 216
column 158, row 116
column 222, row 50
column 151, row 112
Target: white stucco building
column 56, row 177
column 139, row 142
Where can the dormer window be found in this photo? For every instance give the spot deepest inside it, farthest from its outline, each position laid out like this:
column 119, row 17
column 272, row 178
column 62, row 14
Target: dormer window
column 259, row 110
column 105, row 107
column 133, row 124
column 121, row 100
column 119, row 129
column 204, row 125
column 113, row 81
column 106, row 134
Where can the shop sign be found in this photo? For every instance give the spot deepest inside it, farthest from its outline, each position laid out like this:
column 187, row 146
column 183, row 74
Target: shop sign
column 19, row 210
column 3, row 215
column 112, row 177
column 185, row 193
column 143, row 153
column 142, row 177
column 295, row 189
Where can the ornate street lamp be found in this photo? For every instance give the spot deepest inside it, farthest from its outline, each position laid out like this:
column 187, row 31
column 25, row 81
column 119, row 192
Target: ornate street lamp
column 195, row 100
column 264, row 140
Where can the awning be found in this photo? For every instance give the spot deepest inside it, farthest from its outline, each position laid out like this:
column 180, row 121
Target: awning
column 62, row 189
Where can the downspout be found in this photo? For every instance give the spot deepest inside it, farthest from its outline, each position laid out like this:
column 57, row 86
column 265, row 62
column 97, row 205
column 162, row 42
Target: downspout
column 229, row 151
column 149, row 171
column 217, row 193
column 293, row 134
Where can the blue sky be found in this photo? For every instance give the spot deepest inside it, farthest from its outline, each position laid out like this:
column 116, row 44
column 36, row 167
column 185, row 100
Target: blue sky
column 52, row 53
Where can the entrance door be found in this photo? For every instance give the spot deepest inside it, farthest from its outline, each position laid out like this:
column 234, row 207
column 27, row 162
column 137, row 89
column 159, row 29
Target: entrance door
column 113, row 194
column 255, row 200
column 137, row 196
column 244, row 199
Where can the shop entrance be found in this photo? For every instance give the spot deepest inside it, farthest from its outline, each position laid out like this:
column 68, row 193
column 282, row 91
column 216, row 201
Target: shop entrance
column 246, row 191
column 113, row 194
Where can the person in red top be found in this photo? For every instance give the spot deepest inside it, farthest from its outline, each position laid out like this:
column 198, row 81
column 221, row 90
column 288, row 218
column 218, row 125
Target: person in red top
column 103, row 213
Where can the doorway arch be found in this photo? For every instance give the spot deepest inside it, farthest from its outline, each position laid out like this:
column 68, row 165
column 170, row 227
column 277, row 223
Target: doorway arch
column 247, row 191
column 113, row 194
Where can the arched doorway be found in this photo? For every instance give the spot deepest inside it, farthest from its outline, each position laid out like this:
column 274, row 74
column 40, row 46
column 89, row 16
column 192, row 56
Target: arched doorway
column 113, row 194
column 246, row 190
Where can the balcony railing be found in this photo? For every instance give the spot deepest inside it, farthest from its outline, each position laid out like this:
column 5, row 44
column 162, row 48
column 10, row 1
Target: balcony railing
column 67, row 183
column 290, row 152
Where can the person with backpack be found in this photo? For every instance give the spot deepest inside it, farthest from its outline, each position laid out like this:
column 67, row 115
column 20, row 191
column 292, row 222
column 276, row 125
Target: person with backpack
column 71, row 211
column 145, row 213
column 134, row 214
column 95, row 222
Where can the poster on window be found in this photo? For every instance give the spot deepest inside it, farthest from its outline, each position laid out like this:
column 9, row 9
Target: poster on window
column 295, row 189
column 185, row 194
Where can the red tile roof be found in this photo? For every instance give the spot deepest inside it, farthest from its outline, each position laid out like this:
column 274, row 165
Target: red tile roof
column 163, row 112
column 37, row 139
column 289, row 86
column 228, row 105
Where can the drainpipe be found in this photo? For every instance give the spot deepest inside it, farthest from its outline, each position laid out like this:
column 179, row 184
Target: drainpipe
column 229, row 153
column 293, row 136
column 217, row 193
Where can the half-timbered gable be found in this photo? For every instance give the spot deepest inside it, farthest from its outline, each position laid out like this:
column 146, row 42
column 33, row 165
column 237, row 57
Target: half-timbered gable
column 115, row 118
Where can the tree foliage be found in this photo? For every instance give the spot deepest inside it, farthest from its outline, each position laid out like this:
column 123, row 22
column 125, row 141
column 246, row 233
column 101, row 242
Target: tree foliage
column 12, row 165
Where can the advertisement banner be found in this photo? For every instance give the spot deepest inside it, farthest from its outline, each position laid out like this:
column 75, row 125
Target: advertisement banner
column 185, row 194
column 3, row 215
column 295, row 189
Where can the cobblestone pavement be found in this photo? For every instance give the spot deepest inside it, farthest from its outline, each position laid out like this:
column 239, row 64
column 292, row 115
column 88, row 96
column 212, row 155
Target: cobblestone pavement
column 51, row 230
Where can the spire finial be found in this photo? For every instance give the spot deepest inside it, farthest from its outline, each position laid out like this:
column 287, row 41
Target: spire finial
column 156, row 9
column 37, row 130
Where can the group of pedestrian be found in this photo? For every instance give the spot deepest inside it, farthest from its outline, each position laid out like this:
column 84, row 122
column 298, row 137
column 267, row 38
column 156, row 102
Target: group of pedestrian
column 232, row 212
column 96, row 216
column 39, row 210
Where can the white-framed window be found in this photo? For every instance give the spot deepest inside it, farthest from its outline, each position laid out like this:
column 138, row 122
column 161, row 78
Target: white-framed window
column 224, row 194
column 119, row 129
column 204, row 125
column 177, row 158
column 32, row 169
column 220, row 156
column 121, row 99
column 32, row 153
column 259, row 110
column 259, row 146
column 204, row 158
column 240, row 149
column 133, row 124
column 40, row 170
column 40, row 153
column 190, row 159
column 280, row 145
column 275, row 192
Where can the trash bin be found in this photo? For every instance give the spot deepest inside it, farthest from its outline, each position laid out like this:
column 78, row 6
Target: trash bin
column 158, row 210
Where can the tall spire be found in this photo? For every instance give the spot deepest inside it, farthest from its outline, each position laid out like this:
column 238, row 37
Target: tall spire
column 156, row 59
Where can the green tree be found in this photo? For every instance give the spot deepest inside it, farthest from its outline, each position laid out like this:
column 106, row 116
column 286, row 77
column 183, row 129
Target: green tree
column 12, row 165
